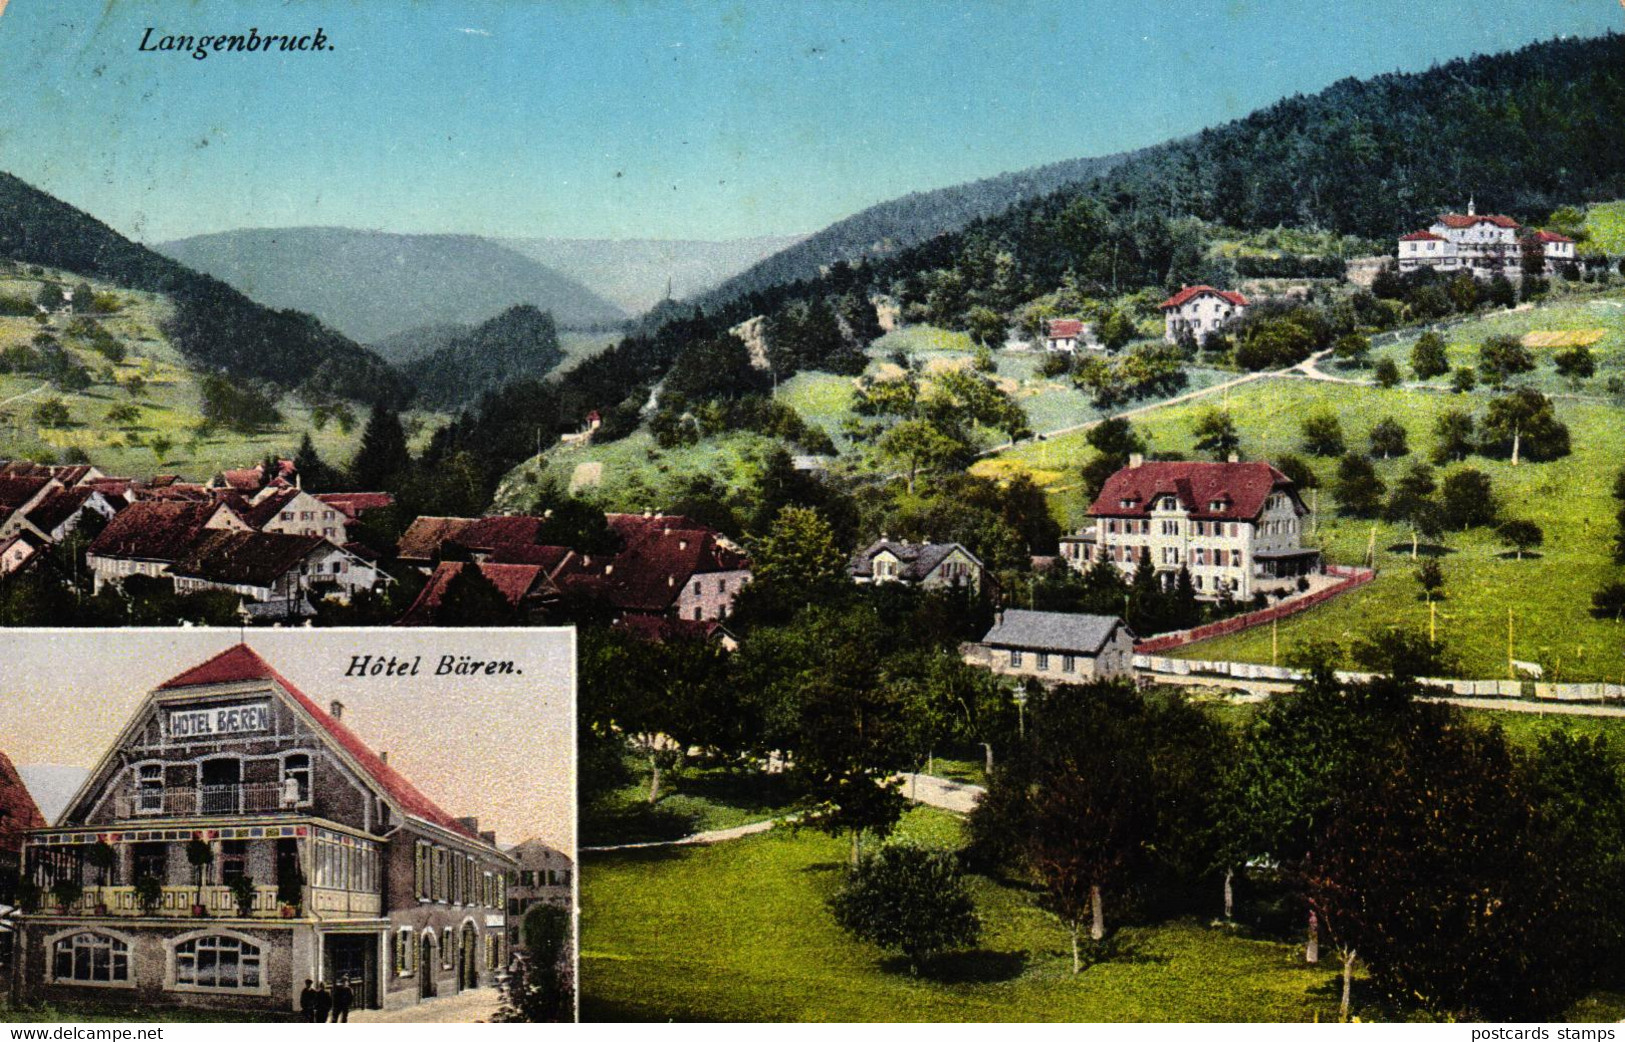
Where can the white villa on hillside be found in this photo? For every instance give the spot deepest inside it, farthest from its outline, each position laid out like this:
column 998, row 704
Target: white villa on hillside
column 1199, row 310
column 1483, row 245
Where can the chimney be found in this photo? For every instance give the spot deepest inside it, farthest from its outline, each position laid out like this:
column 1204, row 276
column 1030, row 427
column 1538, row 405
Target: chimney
column 609, row 569
column 471, row 824
column 1135, row 459
column 383, row 754
column 548, row 513
column 682, row 544
column 1235, row 458
column 671, row 580
column 489, row 836
column 335, row 709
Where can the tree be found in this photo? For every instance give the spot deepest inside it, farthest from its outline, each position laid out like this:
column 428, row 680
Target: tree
column 1521, row 535
column 1501, row 357
column 1576, row 364
column 1467, row 499
column 1523, row 424
column 1322, row 435
column 160, row 446
column 52, row 412
column 1216, row 434
column 314, row 474
column 1388, row 438
column 986, row 326
column 920, row 445
column 541, row 990
column 1463, row 380
column 1428, row 356
column 1352, row 349
column 1454, row 436
column 471, row 599
column 1358, row 487
column 1115, row 330
column 1430, row 576
column 382, row 458
column 908, row 898
column 1411, row 502
column 798, row 553
column 1387, row 373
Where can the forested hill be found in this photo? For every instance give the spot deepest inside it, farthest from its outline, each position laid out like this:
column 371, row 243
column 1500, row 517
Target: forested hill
column 519, row 344
column 214, row 326
column 896, row 224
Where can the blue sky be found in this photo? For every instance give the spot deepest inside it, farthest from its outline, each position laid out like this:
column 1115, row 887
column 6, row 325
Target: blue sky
column 620, row 119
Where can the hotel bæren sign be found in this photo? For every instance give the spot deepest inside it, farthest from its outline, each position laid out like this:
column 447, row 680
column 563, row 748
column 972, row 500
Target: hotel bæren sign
column 220, row 720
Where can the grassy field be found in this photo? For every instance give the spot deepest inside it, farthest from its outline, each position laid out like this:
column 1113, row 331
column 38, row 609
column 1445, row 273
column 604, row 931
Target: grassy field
column 169, row 403
column 693, row 800
column 1583, row 312
column 738, row 931
column 1549, row 596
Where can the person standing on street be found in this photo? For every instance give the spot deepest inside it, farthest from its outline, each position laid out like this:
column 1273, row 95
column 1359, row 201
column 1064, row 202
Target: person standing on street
column 343, row 999
column 323, row 1002
column 307, row 1002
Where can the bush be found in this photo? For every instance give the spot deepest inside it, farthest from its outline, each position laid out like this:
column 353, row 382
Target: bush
column 908, row 898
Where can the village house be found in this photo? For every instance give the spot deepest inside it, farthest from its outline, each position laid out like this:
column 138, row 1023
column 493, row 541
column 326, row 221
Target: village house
column 665, row 565
column 68, row 475
column 55, row 517
column 1237, row 527
column 1554, row 250
column 149, row 536
column 927, row 565
column 1200, row 310
column 528, row 589
column 1483, row 245
column 276, row 574
column 292, row 511
column 20, row 494
column 1068, row 334
column 545, row 875
column 253, row 841
column 18, row 552
column 249, row 480
column 1056, row 647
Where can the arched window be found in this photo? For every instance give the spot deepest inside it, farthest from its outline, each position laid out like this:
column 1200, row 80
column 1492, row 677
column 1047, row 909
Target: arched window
column 91, row 958
column 218, row 961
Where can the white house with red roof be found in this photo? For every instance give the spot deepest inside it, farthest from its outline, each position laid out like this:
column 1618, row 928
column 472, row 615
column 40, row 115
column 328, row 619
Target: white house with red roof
column 1555, row 250
column 324, row 863
column 1068, row 334
column 1200, row 310
column 1483, row 245
column 1237, row 527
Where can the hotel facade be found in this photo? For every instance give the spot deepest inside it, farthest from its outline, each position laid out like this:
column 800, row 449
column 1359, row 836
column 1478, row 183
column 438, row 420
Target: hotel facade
column 238, row 839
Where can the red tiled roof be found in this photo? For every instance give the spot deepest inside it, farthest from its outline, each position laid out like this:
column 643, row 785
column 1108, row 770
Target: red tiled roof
column 15, row 491
column 663, row 628
column 1189, row 293
column 245, row 558
column 422, row 538
column 1546, row 236
column 262, row 513
column 550, row 558
column 153, row 530
column 1422, row 237
column 1467, row 220
column 513, row 581
column 1065, row 328
column 58, row 507
column 241, row 663
column 18, row 811
column 660, row 555
column 1245, row 486
column 354, row 504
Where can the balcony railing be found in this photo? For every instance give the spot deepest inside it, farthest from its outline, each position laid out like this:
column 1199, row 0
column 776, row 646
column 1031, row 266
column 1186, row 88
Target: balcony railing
column 176, row 902
column 240, row 798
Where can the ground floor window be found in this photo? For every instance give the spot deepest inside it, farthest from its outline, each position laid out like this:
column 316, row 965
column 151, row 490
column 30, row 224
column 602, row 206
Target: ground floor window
column 91, row 957
column 217, row 961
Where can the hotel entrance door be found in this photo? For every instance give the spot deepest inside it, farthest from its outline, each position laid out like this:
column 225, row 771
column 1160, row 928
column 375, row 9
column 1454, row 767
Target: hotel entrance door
column 354, row 956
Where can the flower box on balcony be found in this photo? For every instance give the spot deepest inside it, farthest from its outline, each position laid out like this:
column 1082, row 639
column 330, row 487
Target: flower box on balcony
column 200, row 912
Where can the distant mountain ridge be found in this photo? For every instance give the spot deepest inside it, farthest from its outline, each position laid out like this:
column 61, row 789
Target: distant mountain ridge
column 372, row 285
column 634, row 273
column 908, row 220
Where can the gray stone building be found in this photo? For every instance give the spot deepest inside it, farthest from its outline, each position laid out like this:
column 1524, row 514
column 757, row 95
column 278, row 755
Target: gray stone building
column 545, row 875
column 1056, row 647
column 238, row 839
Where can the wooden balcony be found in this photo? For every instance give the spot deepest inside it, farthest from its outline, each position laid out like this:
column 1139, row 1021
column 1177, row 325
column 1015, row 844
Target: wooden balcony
column 177, row 802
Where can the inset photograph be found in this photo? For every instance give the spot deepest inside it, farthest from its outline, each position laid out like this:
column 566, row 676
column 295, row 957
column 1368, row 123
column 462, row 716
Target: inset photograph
column 301, row 825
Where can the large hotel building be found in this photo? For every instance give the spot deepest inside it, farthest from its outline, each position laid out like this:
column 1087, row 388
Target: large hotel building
column 239, row 839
